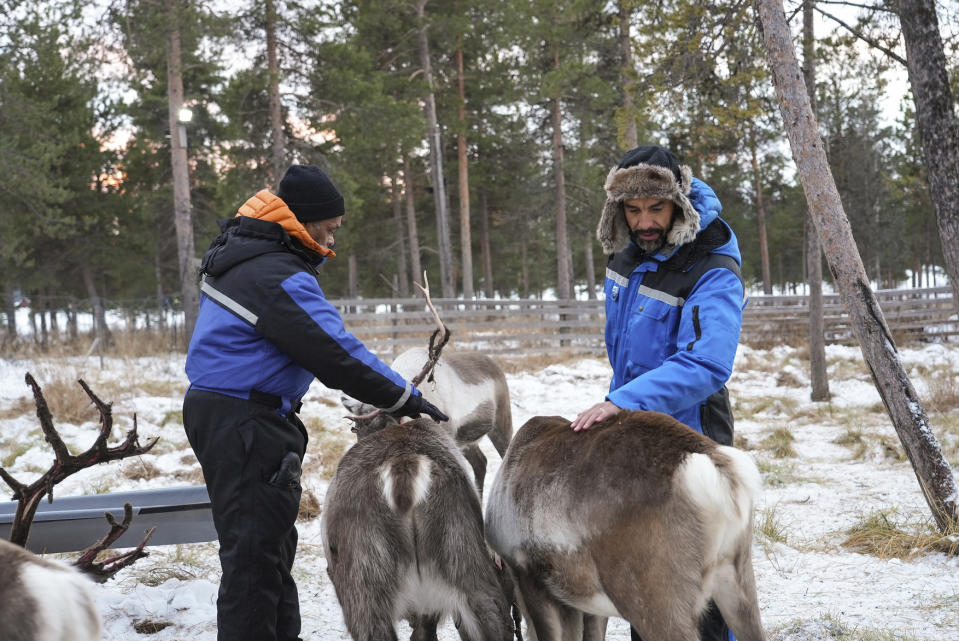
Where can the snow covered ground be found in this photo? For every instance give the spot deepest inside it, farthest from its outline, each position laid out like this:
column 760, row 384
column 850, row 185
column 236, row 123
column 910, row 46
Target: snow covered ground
column 810, row 587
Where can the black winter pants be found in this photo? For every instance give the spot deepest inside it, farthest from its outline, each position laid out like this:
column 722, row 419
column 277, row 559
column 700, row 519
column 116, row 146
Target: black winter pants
column 240, row 445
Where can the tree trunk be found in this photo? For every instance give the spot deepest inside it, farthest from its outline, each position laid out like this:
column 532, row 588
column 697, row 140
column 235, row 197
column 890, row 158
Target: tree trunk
column 411, row 226
column 102, row 331
column 488, row 290
column 818, row 377
column 160, row 296
column 590, row 270
column 898, row 395
column 278, row 135
column 466, row 241
column 352, row 276
column 10, row 309
column 72, row 329
column 402, row 272
column 436, row 159
column 630, row 134
column 760, row 217
column 563, row 286
column 938, row 125
column 182, row 209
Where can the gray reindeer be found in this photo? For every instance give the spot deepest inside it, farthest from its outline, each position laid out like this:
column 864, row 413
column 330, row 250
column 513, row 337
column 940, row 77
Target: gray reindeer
column 403, row 536
column 42, row 600
column 468, row 386
column 639, row 517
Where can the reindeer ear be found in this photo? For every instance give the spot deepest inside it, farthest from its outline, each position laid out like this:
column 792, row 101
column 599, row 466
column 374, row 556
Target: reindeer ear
column 352, row 405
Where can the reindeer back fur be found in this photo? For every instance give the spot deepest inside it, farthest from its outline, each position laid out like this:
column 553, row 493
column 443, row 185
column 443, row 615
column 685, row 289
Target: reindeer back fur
column 403, row 534
column 640, row 517
column 41, row 600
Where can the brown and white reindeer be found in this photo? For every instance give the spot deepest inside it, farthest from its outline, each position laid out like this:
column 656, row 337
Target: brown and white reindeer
column 640, row 517
column 43, row 600
column 403, row 536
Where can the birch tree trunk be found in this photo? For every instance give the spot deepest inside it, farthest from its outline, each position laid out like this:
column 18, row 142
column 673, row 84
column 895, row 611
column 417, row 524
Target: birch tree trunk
column 466, row 240
column 102, row 331
column 278, row 135
column 182, row 209
column 818, row 378
column 436, row 158
column 898, row 395
column 938, row 125
column 411, row 226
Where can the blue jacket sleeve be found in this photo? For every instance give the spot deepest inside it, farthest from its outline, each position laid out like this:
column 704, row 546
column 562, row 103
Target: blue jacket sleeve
column 305, row 325
column 702, row 357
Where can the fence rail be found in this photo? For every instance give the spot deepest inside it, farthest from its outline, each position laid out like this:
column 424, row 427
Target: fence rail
column 513, row 327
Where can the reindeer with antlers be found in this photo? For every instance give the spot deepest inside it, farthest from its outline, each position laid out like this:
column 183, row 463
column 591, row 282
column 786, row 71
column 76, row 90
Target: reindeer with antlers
column 40, row 599
column 415, row 547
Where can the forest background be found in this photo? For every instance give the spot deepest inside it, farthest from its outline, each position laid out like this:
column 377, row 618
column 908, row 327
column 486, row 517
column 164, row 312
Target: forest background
column 521, row 106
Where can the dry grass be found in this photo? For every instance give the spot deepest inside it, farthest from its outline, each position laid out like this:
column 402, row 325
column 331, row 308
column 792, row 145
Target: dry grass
column 14, row 449
column 535, row 362
column 831, row 627
column 855, row 439
column 140, row 470
column 780, row 443
column 769, row 528
column 878, row 534
column 777, row 474
column 309, row 506
column 942, row 393
column 750, row 408
column 788, row 379
column 326, row 449
column 150, row 627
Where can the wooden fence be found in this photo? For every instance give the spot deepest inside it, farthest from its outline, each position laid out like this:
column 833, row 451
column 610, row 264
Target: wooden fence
column 509, row 328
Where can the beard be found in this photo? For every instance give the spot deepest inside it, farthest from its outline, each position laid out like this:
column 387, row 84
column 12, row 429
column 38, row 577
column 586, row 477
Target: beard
column 649, row 245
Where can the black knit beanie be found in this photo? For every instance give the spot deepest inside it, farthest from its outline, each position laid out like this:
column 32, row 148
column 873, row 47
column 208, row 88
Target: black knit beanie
column 651, row 155
column 311, row 196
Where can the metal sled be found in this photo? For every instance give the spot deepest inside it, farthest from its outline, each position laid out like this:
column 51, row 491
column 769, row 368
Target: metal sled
column 72, row 523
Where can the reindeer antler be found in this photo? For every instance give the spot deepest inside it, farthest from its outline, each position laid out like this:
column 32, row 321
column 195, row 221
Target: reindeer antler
column 434, row 350
column 65, row 464
column 103, row 570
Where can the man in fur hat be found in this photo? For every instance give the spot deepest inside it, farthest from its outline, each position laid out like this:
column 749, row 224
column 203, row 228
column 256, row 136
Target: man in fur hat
column 674, row 302
column 264, row 332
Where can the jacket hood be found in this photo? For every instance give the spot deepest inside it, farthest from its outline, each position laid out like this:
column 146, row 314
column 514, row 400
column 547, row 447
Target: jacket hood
column 244, row 237
column 266, row 206
column 696, row 203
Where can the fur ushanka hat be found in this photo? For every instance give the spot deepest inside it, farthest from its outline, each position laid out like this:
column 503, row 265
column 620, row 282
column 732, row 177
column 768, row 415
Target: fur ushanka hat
column 647, row 172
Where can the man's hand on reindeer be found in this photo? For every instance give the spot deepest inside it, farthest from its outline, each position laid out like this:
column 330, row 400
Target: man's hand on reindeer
column 595, row 414
column 416, row 405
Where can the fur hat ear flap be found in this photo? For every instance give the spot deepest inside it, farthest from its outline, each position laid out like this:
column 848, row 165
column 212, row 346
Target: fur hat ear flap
column 613, row 230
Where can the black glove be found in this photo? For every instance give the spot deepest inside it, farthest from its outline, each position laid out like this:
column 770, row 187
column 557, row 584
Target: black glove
column 416, row 405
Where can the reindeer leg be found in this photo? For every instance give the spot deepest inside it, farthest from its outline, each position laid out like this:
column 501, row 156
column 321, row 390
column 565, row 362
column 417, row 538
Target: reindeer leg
column 736, row 599
column 477, row 460
column 424, row 627
column 550, row 619
column 594, row 627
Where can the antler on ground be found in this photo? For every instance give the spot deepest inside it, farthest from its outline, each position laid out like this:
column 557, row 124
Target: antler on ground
column 65, row 464
column 103, row 570
column 435, row 349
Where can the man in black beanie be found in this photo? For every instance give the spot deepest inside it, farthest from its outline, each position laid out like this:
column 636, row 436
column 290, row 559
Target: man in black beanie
column 264, row 332
column 674, row 302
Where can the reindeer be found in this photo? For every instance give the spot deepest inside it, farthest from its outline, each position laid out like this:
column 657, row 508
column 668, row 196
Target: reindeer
column 641, row 517
column 403, row 535
column 42, row 600
column 468, row 386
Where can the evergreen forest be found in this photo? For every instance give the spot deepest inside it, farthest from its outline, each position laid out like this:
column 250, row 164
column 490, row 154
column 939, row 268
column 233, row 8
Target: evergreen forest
column 470, row 138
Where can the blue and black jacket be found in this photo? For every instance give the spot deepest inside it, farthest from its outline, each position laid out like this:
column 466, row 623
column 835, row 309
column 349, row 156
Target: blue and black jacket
column 265, row 326
column 673, row 323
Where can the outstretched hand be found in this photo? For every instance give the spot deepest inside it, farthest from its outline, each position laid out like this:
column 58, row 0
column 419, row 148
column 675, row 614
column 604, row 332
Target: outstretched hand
column 593, row 415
